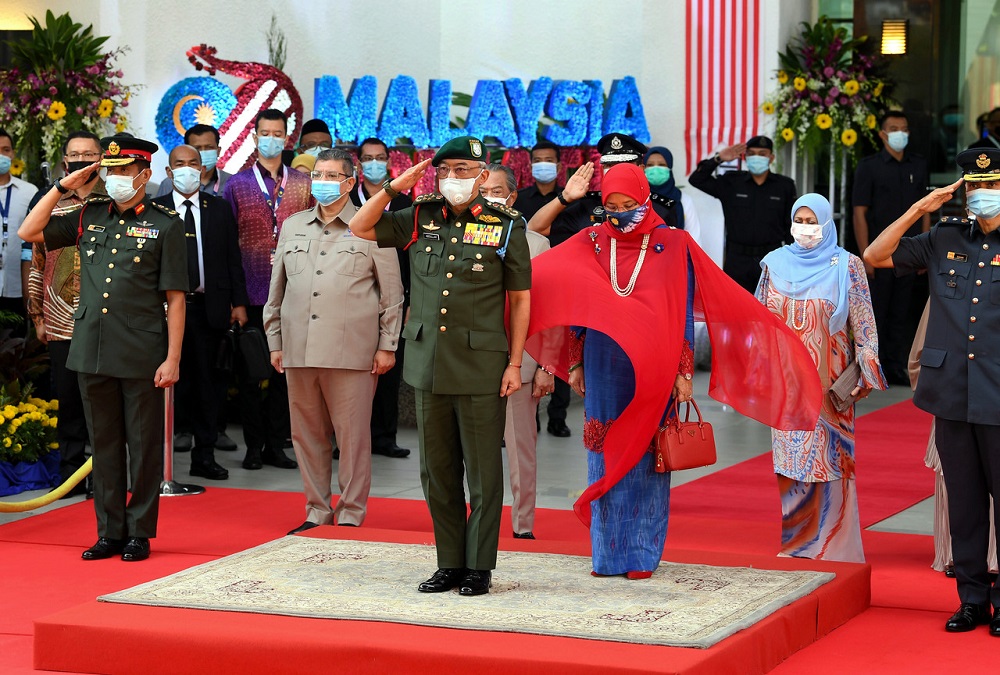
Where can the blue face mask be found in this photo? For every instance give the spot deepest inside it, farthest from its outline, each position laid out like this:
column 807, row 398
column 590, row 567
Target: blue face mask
column 4, row 165
column 270, row 147
column 898, row 139
column 544, row 172
column 758, row 165
column 984, row 203
column 374, row 170
column 626, row 221
column 326, row 192
column 209, row 158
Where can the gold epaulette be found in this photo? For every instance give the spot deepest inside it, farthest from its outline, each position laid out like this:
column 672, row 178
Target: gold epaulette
column 166, row 209
column 429, row 197
column 504, row 209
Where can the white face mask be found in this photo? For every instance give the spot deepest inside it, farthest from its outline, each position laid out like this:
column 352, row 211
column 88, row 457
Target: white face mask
column 458, row 190
column 497, row 200
column 187, row 179
column 120, row 188
column 807, row 235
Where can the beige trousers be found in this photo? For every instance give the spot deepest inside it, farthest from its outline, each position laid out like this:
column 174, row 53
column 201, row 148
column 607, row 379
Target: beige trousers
column 521, row 435
column 323, row 402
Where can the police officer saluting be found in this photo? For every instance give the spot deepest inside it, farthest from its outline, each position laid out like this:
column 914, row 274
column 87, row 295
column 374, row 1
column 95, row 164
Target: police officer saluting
column 467, row 256
column 960, row 373
column 133, row 258
column 755, row 204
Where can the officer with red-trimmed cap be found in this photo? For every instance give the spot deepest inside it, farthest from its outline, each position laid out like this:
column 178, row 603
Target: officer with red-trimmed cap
column 133, row 258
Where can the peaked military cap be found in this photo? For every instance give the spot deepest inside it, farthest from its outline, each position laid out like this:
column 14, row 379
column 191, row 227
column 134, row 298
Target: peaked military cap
column 463, row 147
column 979, row 164
column 617, row 148
column 123, row 148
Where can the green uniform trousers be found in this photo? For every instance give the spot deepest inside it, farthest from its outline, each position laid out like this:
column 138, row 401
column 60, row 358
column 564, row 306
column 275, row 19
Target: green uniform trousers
column 124, row 412
column 460, row 436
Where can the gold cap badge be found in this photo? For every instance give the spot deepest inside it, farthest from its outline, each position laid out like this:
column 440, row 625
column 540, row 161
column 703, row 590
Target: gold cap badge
column 983, row 161
column 113, row 148
column 476, row 147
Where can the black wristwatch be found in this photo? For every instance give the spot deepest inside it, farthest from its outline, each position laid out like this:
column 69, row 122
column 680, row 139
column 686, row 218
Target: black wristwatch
column 562, row 200
column 59, row 186
column 387, row 186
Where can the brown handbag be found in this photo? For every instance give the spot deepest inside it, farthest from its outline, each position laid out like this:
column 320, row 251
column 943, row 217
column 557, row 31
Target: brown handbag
column 684, row 445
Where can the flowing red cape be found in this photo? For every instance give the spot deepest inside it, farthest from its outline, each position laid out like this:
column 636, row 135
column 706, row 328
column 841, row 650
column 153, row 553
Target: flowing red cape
column 759, row 366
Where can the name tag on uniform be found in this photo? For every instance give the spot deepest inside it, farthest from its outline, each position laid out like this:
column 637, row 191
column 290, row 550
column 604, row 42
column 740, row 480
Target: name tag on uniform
column 482, row 235
column 95, row 228
column 147, row 232
column 431, row 235
column 961, row 257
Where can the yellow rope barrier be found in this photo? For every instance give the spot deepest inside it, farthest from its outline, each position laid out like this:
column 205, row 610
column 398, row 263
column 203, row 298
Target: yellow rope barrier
column 45, row 500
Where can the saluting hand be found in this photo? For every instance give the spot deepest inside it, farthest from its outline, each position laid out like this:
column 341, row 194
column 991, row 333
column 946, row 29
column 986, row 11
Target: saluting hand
column 410, row 177
column 579, row 183
column 936, row 199
column 732, row 152
column 80, row 177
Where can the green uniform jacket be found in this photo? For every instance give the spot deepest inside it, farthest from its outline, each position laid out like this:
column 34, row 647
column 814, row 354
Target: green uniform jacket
column 456, row 339
column 127, row 263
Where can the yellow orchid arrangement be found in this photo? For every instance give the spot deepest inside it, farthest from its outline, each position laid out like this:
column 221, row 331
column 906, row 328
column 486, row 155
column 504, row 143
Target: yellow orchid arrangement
column 827, row 86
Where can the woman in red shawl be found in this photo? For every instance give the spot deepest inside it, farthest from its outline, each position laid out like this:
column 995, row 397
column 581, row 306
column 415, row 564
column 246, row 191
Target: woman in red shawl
column 635, row 290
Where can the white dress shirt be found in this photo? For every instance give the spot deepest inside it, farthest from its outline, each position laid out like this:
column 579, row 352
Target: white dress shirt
column 20, row 193
column 181, row 210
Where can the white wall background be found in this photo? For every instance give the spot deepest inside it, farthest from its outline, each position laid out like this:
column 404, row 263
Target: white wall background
column 461, row 40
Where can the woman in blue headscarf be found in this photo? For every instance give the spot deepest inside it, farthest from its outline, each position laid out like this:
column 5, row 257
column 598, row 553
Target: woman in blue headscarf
column 821, row 292
column 660, row 173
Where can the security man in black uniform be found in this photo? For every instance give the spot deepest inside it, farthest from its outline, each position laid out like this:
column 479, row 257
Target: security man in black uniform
column 133, row 258
column 959, row 369
column 756, row 204
column 577, row 207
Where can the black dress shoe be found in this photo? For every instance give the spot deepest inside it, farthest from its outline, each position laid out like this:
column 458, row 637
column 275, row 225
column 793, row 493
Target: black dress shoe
column 278, row 458
column 183, row 442
column 225, row 443
column 210, row 470
column 443, row 580
column 136, row 549
column 253, row 461
column 949, row 571
column 104, row 548
column 391, row 451
column 303, row 527
column 524, row 535
column 559, row 429
column 968, row 616
column 476, row 582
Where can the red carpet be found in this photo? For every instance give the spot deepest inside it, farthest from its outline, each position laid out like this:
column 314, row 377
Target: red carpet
column 891, row 476
column 733, row 510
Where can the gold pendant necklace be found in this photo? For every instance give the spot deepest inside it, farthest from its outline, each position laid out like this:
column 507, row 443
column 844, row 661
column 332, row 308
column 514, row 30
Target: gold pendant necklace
column 624, row 292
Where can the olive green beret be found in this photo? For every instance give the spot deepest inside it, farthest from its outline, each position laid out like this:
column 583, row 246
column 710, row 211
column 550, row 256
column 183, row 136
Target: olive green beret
column 463, row 147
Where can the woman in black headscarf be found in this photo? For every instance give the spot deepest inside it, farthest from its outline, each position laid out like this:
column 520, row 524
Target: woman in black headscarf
column 660, row 172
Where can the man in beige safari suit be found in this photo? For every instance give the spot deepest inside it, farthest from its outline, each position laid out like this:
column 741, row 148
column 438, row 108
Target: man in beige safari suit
column 332, row 319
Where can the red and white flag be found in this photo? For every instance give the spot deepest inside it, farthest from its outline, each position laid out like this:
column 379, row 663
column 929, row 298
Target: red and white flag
column 722, row 78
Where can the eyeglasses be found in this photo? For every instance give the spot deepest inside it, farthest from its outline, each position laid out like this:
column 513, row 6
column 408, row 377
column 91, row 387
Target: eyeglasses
column 459, row 171
column 380, row 158
column 77, row 156
column 329, row 175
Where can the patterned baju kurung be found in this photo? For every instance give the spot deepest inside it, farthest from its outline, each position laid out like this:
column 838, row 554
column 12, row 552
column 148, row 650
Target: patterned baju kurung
column 815, row 469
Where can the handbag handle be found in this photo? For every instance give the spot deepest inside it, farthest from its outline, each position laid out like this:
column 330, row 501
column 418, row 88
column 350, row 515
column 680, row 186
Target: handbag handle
column 675, row 408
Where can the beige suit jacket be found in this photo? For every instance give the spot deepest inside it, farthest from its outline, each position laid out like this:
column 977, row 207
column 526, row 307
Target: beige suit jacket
column 334, row 299
column 537, row 244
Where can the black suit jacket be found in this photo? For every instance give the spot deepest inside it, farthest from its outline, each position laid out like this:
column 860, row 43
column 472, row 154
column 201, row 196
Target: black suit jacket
column 225, row 283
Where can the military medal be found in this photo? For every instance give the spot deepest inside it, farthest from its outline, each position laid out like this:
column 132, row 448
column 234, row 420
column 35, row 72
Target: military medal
column 142, row 232
column 482, row 235
column 477, row 267
column 996, row 261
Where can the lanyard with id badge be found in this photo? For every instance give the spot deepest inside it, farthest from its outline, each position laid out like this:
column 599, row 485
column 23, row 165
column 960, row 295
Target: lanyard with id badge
column 272, row 204
column 5, row 215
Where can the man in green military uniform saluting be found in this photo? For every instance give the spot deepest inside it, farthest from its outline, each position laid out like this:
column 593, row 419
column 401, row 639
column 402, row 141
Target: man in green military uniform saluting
column 467, row 256
column 132, row 259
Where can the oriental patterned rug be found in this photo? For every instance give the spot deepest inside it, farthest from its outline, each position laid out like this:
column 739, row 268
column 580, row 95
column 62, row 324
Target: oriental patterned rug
column 682, row 605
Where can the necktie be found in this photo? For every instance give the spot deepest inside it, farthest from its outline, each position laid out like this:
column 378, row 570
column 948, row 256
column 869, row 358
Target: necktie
column 194, row 278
